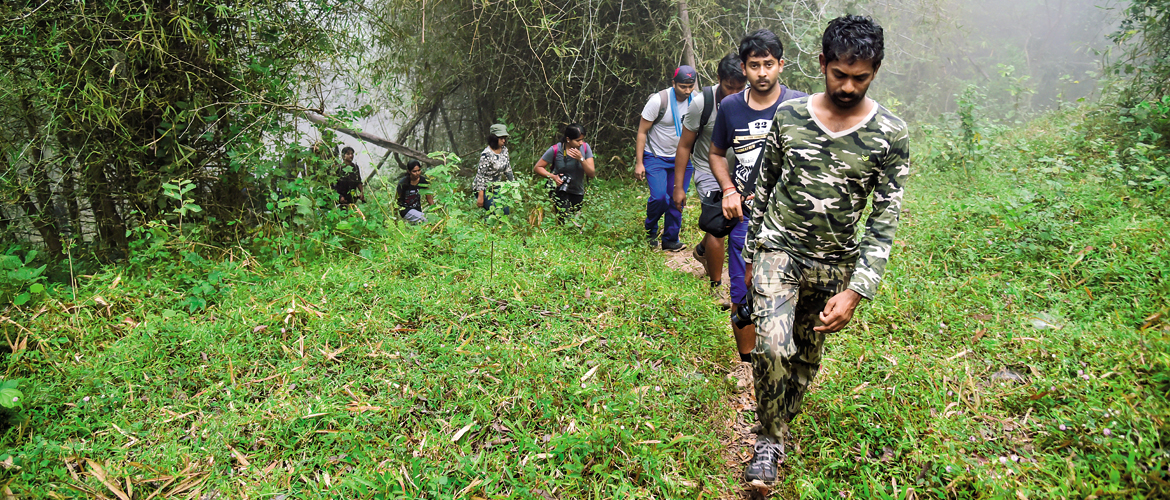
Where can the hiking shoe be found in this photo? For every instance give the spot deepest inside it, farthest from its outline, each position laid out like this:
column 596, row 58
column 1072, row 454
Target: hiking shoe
column 762, row 468
column 652, row 238
column 674, row 247
column 699, row 253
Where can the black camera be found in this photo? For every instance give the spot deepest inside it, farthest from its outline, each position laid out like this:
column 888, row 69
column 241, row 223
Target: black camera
column 742, row 317
column 565, row 180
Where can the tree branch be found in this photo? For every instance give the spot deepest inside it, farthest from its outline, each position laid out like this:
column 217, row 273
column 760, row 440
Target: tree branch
column 395, row 147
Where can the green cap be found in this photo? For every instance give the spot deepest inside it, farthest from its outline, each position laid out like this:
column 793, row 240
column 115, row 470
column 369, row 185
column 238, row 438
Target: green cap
column 499, row 130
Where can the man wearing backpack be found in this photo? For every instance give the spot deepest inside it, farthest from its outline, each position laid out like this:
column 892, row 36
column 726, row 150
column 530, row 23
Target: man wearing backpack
column 657, row 142
column 696, row 138
column 741, row 126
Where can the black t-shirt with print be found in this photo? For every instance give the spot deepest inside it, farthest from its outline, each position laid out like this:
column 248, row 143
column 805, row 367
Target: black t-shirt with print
column 409, row 197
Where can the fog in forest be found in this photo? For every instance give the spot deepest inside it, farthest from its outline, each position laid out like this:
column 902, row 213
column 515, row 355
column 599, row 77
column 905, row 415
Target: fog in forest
column 1023, row 56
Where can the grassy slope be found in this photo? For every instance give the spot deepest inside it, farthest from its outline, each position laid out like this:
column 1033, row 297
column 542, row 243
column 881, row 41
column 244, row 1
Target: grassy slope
column 387, row 356
column 382, row 362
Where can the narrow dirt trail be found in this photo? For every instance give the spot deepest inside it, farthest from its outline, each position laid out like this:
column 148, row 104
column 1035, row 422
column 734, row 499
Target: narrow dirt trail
column 736, row 432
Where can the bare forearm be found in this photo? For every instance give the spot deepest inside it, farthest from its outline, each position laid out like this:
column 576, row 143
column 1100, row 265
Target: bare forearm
column 719, row 168
column 680, row 163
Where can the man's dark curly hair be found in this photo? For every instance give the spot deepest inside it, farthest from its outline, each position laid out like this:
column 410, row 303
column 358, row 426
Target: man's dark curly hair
column 850, row 38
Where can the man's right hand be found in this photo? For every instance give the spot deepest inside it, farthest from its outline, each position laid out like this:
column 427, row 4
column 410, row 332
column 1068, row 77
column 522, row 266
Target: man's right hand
column 680, row 197
column 732, row 205
column 640, row 171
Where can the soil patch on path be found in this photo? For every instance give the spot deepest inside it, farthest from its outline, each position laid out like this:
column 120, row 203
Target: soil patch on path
column 736, row 433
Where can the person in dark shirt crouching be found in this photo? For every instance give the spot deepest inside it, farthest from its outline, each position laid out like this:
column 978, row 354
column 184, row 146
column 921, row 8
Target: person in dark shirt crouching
column 410, row 194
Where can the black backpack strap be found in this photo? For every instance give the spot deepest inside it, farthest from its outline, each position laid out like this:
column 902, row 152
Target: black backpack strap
column 708, row 105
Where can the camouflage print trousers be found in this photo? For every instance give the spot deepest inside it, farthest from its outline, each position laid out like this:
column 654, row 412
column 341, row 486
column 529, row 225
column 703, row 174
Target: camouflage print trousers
column 789, row 293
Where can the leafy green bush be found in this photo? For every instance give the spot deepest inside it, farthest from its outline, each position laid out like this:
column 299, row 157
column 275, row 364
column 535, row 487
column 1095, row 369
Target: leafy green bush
column 21, row 280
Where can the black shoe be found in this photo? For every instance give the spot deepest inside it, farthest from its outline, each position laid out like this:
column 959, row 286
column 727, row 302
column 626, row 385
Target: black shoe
column 762, row 468
column 677, row 246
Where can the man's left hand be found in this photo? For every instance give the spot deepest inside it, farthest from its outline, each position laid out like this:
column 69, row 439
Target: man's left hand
column 838, row 312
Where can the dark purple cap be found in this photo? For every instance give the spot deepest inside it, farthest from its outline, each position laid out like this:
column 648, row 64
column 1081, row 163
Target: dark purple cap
column 684, row 74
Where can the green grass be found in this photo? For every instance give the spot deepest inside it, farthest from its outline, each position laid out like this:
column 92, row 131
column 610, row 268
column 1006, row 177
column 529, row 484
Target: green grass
column 353, row 376
column 574, row 364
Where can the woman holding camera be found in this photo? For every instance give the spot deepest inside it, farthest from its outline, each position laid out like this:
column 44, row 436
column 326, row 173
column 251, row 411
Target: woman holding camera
column 571, row 161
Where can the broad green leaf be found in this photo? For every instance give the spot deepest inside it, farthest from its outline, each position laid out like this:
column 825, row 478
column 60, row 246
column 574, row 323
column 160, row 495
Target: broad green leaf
column 10, row 397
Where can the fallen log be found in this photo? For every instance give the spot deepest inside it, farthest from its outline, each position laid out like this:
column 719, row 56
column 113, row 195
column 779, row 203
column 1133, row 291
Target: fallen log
column 392, row 146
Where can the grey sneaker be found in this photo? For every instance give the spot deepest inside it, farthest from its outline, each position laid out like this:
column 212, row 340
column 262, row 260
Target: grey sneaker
column 769, row 451
column 677, row 246
column 700, row 254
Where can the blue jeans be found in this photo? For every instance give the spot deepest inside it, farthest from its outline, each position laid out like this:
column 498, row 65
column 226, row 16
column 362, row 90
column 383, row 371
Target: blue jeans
column 660, row 177
column 735, row 263
column 487, row 204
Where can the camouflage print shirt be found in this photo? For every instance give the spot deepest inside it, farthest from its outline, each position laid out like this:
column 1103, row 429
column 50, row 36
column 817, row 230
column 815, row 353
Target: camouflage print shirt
column 813, row 187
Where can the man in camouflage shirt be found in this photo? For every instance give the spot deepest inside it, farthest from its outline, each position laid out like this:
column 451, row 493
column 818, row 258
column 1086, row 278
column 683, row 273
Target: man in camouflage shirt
column 825, row 155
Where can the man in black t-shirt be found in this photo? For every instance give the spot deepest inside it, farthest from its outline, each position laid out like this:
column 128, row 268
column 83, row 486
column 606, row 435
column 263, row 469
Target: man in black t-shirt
column 349, row 179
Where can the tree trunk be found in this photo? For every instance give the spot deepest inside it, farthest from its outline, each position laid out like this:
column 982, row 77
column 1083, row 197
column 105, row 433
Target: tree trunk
column 447, row 125
column 110, row 227
column 425, row 110
column 688, row 42
column 41, row 212
column 41, row 222
column 70, row 195
column 428, row 127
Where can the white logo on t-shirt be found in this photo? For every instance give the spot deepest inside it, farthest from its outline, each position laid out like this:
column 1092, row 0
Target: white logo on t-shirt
column 759, row 127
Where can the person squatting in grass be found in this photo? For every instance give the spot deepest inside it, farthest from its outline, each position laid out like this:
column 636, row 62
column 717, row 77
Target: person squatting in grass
column 572, row 161
column 698, row 127
column 410, row 195
column 654, row 150
column 349, row 179
column 740, row 127
column 826, row 154
column 494, row 166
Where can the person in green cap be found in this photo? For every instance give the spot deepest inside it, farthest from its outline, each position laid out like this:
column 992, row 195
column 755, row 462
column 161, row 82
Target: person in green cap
column 494, row 166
